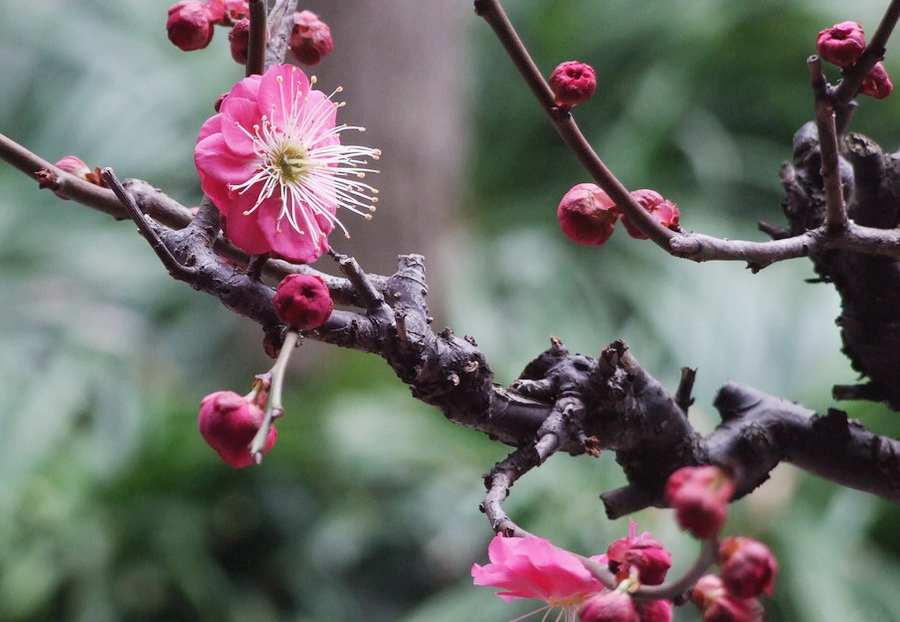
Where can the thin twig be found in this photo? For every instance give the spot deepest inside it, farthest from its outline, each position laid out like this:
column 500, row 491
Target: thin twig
column 145, row 227
column 836, row 209
column 565, row 124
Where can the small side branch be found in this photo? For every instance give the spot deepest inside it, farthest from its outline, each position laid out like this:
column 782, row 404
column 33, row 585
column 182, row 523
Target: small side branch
column 836, row 209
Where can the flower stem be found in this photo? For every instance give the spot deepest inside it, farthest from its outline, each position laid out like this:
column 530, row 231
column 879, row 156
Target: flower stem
column 274, row 408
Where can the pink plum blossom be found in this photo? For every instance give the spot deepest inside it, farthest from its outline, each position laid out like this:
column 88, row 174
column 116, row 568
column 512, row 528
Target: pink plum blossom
column 533, row 568
column 272, row 162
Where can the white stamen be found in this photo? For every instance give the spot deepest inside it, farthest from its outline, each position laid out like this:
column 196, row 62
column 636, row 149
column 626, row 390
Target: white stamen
column 303, row 162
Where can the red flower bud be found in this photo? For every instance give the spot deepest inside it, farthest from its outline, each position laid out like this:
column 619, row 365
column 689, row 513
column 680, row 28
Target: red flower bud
column 189, row 26
column 718, row 605
column 877, row 83
column 841, row 44
column 661, row 209
column 654, row 610
column 228, row 423
column 700, row 497
column 239, row 40
column 748, row 567
column 587, row 215
column 310, row 38
column 74, row 166
column 643, row 554
column 572, row 83
column 302, row 301
column 225, row 11
column 608, row 606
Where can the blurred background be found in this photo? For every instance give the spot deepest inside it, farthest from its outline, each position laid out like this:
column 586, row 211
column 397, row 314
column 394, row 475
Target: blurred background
column 113, row 508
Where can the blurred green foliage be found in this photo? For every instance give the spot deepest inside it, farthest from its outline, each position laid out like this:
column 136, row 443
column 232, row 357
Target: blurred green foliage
column 113, row 508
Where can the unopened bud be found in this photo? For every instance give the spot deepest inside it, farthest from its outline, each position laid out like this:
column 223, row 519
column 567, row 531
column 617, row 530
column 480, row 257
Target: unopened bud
column 227, row 11
column 189, row 26
column 717, row 604
column 228, row 422
column 639, row 556
column 663, row 210
column 700, row 496
column 239, row 39
column 877, row 83
column 303, row 301
column 310, row 38
column 608, row 606
column 748, row 567
column 74, row 166
column 587, row 215
column 654, row 610
column 573, row 83
column 841, row 44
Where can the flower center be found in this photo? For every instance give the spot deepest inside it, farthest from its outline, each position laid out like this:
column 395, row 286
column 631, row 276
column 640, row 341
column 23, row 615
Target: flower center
column 292, row 161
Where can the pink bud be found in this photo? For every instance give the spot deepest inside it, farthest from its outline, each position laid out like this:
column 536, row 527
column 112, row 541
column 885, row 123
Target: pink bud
column 841, row 44
column 700, row 496
column 74, row 166
column 587, row 215
column 661, row 209
column 608, row 606
column 748, row 567
column 641, row 553
column 226, row 11
column 310, row 38
column 654, row 610
column 877, row 83
column 189, row 26
column 718, row 605
column 572, row 83
column 303, row 301
column 239, row 39
column 228, row 423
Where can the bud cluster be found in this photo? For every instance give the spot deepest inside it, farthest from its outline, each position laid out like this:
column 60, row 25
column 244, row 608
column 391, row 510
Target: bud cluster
column 190, row 26
column 842, row 45
column 587, row 215
column 748, row 569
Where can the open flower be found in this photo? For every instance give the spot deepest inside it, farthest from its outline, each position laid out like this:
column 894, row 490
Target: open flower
column 272, row 162
column 533, row 568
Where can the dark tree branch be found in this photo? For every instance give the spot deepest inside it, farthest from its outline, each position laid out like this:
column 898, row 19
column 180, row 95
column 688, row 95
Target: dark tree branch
column 256, row 45
column 869, row 284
